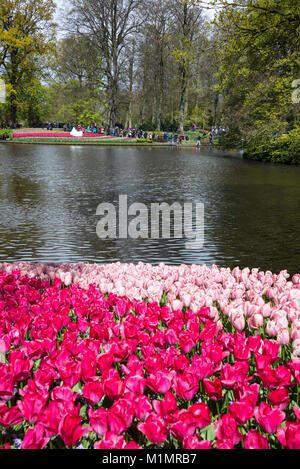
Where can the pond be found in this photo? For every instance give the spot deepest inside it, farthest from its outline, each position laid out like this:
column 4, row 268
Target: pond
column 49, row 196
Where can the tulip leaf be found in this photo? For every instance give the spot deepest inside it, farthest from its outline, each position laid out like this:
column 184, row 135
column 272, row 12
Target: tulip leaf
column 208, row 433
column 83, row 411
column 77, row 387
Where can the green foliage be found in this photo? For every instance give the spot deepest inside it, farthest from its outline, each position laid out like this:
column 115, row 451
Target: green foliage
column 82, row 112
column 26, row 35
column 6, row 134
column 280, row 150
column 258, row 62
column 230, row 141
column 144, row 140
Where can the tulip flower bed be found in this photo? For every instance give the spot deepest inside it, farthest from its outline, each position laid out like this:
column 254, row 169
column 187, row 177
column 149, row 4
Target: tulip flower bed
column 191, row 365
column 52, row 134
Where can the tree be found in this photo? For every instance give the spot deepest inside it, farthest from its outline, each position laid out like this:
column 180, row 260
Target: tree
column 26, row 33
column 187, row 20
column 258, row 61
column 107, row 24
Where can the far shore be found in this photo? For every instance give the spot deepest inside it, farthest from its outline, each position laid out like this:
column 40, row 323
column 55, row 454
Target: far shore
column 98, row 142
column 91, row 140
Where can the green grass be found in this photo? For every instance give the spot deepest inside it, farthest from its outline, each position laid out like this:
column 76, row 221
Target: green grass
column 86, row 141
column 80, row 141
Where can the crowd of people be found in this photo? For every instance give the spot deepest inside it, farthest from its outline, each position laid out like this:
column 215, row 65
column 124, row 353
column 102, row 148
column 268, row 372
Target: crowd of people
column 137, row 133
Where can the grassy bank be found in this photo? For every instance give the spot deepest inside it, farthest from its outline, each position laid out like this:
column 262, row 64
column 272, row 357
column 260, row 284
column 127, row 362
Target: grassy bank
column 80, row 141
column 94, row 141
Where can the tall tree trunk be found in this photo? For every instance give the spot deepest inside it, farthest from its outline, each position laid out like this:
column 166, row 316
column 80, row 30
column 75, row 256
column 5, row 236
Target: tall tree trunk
column 13, row 97
column 182, row 105
column 183, row 71
column 130, row 91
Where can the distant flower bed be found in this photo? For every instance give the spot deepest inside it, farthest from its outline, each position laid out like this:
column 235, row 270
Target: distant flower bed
column 140, row 356
column 51, row 134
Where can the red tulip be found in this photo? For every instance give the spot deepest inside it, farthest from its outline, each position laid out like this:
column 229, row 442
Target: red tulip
column 170, row 337
column 154, row 428
column 297, row 413
column 187, row 341
column 241, row 411
column 203, row 367
column 186, row 386
column 224, row 444
column 113, row 386
column 214, row 352
column 118, row 348
column 166, row 406
column 6, row 383
column 64, row 397
column 131, row 445
column 153, row 364
column 105, row 361
column 110, row 441
column 21, row 369
column 200, row 413
column 5, row 343
column 98, row 420
column 226, row 429
column 50, row 419
column 254, row 343
column 70, row 429
column 181, row 363
column 195, row 442
column 70, row 373
column 135, row 383
column 9, row 416
column 213, row 388
column 142, row 407
column 232, row 374
column 247, row 393
column 289, row 436
column 120, row 416
column 93, row 392
column 88, row 366
column 262, row 361
column 32, row 405
column 254, row 440
column 134, row 366
column 279, row 398
column 269, row 419
column 209, row 331
column 35, row 438
column 271, row 348
column 160, row 382
column 184, row 425
column 241, row 352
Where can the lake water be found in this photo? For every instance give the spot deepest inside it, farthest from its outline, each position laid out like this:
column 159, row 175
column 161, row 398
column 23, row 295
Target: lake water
column 49, row 196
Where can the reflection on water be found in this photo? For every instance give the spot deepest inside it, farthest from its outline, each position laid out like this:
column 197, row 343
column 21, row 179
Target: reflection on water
column 49, row 196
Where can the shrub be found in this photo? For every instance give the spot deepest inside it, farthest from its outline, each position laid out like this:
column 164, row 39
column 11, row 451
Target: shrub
column 6, row 134
column 282, row 150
